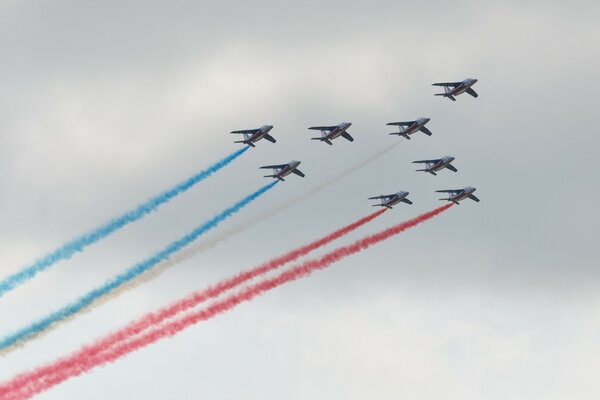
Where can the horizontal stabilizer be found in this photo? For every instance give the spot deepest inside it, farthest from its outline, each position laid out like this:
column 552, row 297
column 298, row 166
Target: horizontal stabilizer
column 446, row 95
column 322, row 139
column 274, row 176
column 249, row 143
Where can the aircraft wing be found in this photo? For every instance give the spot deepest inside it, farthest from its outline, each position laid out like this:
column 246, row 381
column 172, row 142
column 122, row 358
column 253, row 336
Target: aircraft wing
column 278, row 166
column 427, row 161
column 401, row 123
column 298, row 172
column 323, row 128
column 270, row 138
column 449, row 191
column 383, row 196
column 451, row 167
column 407, row 201
column 473, row 197
column 250, row 131
column 453, row 84
column 425, row 131
column 472, row 92
column 347, row 136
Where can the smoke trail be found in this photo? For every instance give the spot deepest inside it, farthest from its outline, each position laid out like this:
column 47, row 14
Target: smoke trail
column 78, row 244
column 29, row 384
column 119, row 280
column 198, row 297
column 208, row 244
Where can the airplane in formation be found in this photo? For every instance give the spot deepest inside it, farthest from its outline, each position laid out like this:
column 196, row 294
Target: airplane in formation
column 456, row 195
column 328, row 133
column 282, row 170
column 252, row 136
column 409, row 127
column 436, row 165
column 389, row 200
column 452, row 89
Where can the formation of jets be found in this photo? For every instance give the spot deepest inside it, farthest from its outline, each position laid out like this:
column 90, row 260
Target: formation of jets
column 406, row 128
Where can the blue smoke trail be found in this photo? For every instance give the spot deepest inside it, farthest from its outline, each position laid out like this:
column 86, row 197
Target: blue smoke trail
column 133, row 272
column 78, row 244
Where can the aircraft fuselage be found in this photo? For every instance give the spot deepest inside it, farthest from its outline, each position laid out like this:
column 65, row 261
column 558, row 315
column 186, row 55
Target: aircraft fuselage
column 440, row 165
column 462, row 195
column 337, row 132
column 463, row 87
column 262, row 132
column 395, row 200
column 420, row 123
column 288, row 169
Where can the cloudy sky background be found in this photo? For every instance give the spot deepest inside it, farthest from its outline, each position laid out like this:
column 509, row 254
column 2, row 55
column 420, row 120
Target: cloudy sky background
column 103, row 104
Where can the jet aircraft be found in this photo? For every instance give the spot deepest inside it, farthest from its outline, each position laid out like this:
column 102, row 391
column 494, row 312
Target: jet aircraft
column 389, row 200
column 456, row 195
column 410, row 127
column 252, row 136
column 328, row 133
column 437, row 165
column 452, row 89
column 282, row 170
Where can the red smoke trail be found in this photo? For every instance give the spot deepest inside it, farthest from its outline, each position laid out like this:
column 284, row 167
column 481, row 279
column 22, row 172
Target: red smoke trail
column 192, row 300
column 82, row 363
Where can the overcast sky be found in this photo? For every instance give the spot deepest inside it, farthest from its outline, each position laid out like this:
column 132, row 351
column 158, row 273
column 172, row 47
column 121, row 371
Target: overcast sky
column 104, row 104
